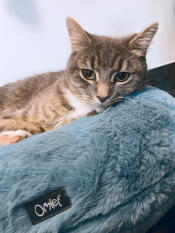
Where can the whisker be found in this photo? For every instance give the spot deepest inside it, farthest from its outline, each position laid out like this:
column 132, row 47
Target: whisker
column 118, row 98
column 86, row 99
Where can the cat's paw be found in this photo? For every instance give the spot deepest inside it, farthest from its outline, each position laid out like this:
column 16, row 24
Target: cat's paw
column 11, row 137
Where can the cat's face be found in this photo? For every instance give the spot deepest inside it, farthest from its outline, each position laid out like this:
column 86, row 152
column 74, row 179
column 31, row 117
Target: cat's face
column 102, row 70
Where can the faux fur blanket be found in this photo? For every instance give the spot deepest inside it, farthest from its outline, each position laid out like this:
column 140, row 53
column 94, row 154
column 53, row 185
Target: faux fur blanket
column 117, row 169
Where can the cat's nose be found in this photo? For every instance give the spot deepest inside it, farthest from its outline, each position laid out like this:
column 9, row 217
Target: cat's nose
column 102, row 99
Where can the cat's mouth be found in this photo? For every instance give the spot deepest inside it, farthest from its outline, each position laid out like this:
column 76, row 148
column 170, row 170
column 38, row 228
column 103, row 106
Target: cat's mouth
column 111, row 101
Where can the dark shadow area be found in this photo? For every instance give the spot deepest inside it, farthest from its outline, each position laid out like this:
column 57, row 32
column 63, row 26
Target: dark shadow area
column 24, row 10
column 166, row 224
column 164, row 78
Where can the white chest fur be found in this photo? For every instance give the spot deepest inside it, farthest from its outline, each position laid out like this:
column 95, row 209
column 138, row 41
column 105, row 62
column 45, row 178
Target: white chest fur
column 81, row 108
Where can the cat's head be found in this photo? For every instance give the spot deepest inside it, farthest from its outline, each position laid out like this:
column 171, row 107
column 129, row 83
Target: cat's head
column 102, row 70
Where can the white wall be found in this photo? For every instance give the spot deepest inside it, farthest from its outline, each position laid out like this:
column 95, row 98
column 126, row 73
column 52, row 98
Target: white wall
column 34, row 39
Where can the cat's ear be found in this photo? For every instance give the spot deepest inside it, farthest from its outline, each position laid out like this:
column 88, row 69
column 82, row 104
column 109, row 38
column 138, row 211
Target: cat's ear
column 78, row 37
column 140, row 43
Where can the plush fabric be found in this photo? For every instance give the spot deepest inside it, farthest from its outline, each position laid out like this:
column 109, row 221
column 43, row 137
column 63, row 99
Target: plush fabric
column 118, row 168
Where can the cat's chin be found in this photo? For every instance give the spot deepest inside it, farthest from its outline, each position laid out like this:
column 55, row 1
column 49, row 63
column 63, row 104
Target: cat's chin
column 98, row 107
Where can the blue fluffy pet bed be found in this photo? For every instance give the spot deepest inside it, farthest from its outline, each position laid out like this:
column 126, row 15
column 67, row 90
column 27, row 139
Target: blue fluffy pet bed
column 113, row 172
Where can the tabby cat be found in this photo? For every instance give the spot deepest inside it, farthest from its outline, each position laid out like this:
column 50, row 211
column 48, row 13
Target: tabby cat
column 100, row 72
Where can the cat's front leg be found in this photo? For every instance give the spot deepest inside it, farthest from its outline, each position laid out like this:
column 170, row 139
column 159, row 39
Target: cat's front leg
column 11, row 137
column 13, row 131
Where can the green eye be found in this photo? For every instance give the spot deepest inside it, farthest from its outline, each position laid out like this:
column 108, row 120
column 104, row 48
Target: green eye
column 120, row 77
column 88, row 74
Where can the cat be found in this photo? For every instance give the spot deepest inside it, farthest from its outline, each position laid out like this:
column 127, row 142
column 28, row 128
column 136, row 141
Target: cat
column 100, row 72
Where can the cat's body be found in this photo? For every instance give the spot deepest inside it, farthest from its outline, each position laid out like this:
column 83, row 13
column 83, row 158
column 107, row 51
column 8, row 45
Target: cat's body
column 44, row 102
column 100, row 72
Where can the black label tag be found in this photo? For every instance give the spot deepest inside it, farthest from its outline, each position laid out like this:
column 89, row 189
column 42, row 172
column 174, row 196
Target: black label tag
column 48, row 205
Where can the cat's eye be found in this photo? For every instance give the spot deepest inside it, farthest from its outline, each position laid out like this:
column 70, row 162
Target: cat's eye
column 120, row 77
column 88, row 74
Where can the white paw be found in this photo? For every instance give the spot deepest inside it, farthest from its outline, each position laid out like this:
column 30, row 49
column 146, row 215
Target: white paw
column 11, row 137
